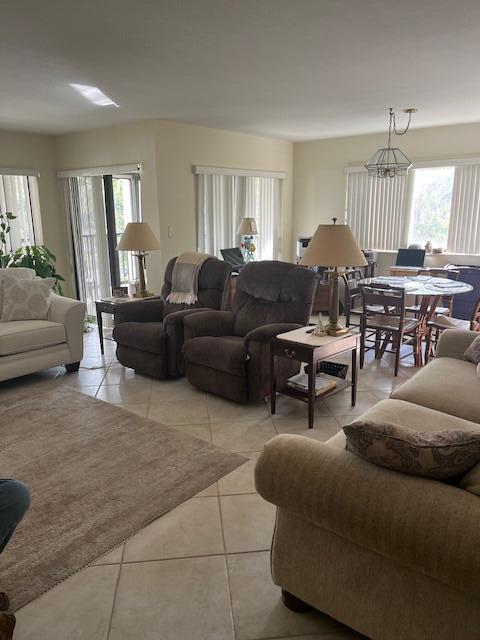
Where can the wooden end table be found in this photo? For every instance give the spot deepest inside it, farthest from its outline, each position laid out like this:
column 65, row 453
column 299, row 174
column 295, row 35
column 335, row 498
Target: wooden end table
column 109, row 305
column 302, row 346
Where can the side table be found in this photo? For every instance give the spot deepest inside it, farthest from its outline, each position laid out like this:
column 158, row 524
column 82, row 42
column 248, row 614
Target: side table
column 109, row 305
column 302, row 346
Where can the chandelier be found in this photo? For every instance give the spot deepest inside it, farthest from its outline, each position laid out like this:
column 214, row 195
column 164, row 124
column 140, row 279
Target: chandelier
column 390, row 161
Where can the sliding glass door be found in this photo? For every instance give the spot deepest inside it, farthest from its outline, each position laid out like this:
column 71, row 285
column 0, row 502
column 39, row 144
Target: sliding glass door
column 100, row 208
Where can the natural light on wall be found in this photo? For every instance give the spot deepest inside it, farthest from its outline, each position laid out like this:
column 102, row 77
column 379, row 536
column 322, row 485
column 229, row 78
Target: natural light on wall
column 94, row 95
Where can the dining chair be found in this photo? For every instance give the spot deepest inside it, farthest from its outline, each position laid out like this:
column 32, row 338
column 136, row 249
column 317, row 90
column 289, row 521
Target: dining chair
column 352, row 303
column 393, row 325
column 438, row 324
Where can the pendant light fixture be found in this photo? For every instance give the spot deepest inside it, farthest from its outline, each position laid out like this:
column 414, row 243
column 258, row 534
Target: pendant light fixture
column 390, row 161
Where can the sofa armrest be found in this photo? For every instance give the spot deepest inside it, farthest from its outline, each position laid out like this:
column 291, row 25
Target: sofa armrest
column 424, row 524
column 453, row 343
column 140, row 311
column 266, row 332
column 175, row 337
column 70, row 313
column 209, row 323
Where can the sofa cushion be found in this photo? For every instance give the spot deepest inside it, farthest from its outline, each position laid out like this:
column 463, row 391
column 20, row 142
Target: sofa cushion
column 445, row 384
column 226, row 353
column 26, row 299
column 472, row 354
column 26, row 335
column 144, row 336
column 387, row 438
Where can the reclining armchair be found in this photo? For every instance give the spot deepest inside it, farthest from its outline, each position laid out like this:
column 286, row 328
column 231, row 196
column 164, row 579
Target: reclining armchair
column 149, row 333
column 227, row 352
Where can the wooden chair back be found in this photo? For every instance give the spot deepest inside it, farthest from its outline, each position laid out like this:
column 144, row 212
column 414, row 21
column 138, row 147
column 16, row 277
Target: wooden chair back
column 392, row 299
column 451, row 274
column 475, row 319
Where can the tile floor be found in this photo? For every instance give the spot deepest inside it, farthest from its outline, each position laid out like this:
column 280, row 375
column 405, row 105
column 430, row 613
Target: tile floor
column 201, row 572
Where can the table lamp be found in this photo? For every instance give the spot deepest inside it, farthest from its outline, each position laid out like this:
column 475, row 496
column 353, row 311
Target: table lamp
column 248, row 229
column 139, row 238
column 333, row 245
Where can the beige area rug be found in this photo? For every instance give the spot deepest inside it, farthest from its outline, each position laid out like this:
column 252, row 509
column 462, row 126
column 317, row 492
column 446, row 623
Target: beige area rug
column 97, row 474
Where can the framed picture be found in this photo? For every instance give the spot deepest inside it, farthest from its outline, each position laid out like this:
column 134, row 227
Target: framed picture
column 120, row 292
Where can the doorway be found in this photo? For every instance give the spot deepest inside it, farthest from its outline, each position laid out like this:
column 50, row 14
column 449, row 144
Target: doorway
column 100, row 208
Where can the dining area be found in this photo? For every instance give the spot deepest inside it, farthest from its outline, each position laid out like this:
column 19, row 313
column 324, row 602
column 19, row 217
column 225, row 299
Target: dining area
column 405, row 315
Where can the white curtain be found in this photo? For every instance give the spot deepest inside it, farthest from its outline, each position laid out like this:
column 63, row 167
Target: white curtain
column 84, row 197
column 378, row 210
column 222, row 202
column 19, row 195
column 464, row 227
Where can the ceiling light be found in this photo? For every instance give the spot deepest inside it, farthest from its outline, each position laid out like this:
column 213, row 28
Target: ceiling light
column 94, row 95
column 390, row 162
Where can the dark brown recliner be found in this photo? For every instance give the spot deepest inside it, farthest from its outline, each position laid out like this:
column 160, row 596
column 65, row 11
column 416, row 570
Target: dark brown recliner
column 227, row 352
column 149, row 333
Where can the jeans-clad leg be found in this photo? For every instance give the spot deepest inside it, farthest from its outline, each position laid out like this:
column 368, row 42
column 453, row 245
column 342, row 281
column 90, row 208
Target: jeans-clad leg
column 14, row 502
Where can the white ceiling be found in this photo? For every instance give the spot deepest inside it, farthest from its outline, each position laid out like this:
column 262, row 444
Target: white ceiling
column 295, row 69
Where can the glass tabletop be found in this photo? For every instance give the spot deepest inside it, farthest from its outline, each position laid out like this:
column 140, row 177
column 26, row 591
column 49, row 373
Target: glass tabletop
column 421, row 285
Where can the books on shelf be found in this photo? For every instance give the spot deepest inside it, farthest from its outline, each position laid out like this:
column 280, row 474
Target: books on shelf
column 322, row 384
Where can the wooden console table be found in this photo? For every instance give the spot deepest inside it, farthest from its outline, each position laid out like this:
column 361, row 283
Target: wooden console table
column 302, row 346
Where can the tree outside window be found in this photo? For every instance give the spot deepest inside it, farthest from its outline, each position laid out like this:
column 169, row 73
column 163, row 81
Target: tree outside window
column 431, row 206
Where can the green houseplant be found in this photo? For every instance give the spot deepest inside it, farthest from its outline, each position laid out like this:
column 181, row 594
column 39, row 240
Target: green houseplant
column 41, row 260
column 38, row 257
column 5, row 219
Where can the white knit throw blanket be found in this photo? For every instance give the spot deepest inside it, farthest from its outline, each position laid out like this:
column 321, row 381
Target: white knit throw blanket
column 185, row 278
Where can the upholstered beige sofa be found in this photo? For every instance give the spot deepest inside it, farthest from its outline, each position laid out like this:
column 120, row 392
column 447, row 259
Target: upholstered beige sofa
column 393, row 556
column 27, row 346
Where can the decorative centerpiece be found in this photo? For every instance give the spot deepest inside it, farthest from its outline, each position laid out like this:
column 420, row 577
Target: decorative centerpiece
column 247, row 229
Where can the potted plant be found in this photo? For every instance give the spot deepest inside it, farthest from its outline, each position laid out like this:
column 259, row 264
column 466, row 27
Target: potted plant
column 37, row 257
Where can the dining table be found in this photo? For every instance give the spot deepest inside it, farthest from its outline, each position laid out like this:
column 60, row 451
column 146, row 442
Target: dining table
column 431, row 288
column 421, row 286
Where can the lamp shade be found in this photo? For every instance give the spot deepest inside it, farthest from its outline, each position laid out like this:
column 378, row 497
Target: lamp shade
column 247, row 227
column 138, row 236
column 333, row 245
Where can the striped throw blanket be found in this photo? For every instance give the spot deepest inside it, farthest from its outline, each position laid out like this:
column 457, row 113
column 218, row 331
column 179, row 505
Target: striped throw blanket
column 185, row 278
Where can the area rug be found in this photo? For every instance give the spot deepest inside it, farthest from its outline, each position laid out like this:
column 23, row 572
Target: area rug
column 97, row 474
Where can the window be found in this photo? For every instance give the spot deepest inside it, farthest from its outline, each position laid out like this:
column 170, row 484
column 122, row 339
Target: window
column 19, row 194
column 224, row 199
column 100, row 207
column 431, row 206
column 438, row 204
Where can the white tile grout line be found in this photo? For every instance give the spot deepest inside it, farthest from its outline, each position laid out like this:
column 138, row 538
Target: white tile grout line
column 227, row 573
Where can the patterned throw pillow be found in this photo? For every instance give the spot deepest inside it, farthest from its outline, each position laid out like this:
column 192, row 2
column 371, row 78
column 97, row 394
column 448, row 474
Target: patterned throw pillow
column 17, row 272
column 26, row 299
column 439, row 454
column 472, row 354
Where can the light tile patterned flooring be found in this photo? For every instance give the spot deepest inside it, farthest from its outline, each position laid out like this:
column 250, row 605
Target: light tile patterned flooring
column 200, row 572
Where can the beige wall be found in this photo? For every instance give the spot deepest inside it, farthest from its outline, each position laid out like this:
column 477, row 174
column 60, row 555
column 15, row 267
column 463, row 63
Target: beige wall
column 320, row 181
column 34, row 151
column 167, row 151
column 180, row 146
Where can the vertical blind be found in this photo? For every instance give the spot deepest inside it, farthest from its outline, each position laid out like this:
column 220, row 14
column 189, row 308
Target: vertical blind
column 222, row 202
column 464, row 227
column 19, row 195
column 377, row 209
